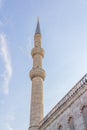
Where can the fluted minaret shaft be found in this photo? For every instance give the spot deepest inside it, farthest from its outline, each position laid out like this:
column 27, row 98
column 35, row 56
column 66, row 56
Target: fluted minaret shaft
column 37, row 75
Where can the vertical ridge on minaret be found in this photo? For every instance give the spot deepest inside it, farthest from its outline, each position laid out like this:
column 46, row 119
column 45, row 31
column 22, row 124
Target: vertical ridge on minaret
column 38, row 27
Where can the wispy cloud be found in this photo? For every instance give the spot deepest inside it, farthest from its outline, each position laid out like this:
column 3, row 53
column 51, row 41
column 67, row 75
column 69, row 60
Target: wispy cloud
column 10, row 118
column 8, row 127
column 4, row 52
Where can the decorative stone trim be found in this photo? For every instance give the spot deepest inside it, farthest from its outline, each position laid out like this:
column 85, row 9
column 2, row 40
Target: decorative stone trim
column 82, row 107
column 59, row 126
column 37, row 72
column 84, row 115
column 39, row 51
column 37, row 36
column 70, row 117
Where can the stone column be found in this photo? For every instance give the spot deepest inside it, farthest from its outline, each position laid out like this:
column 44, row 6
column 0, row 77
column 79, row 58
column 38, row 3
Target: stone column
column 37, row 75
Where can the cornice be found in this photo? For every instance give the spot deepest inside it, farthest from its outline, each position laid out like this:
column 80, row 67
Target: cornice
column 68, row 99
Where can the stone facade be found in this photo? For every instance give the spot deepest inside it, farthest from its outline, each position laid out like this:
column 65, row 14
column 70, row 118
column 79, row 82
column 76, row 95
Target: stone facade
column 69, row 108
column 70, row 113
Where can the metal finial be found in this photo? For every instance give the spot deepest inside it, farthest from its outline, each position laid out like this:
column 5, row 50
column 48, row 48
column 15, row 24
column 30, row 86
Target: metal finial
column 38, row 27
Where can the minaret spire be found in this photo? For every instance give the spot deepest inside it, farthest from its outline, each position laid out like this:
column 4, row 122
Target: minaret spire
column 37, row 75
column 38, row 27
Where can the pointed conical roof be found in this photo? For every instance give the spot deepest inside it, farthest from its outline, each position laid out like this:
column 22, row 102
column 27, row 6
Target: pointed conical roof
column 38, row 27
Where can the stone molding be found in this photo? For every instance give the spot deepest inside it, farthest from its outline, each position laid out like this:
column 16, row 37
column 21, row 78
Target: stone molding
column 37, row 36
column 36, row 51
column 37, row 72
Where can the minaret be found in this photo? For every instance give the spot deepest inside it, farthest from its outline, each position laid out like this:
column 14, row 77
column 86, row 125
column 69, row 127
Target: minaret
column 37, row 75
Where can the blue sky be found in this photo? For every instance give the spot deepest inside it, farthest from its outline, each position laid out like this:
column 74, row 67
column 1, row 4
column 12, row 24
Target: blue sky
column 64, row 32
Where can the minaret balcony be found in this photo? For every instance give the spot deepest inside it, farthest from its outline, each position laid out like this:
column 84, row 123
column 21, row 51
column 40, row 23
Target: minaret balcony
column 37, row 72
column 39, row 51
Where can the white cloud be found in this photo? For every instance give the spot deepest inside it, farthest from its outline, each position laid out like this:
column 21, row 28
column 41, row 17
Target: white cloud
column 4, row 52
column 8, row 127
column 9, row 118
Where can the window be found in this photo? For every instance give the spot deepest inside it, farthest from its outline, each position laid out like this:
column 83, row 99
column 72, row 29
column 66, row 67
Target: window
column 84, row 112
column 60, row 127
column 71, row 123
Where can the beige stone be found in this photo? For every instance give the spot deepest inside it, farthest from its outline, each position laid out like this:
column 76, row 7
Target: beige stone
column 69, row 112
column 37, row 75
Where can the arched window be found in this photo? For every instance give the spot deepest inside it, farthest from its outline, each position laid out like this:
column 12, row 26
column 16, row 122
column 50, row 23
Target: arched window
column 71, row 123
column 60, row 127
column 84, row 113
